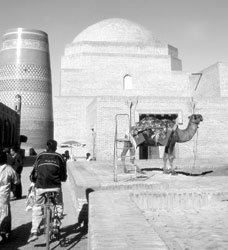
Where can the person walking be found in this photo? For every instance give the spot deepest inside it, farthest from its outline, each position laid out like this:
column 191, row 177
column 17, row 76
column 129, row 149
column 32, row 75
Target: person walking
column 7, row 177
column 88, row 157
column 48, row 172
column 66, row 155
column 15, row 160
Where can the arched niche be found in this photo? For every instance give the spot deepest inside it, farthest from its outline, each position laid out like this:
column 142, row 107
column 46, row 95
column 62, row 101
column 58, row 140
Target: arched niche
column 127, row 82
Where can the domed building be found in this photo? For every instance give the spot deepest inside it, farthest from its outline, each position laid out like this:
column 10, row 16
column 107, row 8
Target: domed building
column 115, row 64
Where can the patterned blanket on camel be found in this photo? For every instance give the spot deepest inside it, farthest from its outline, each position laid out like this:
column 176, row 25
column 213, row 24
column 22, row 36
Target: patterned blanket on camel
column 152, row 131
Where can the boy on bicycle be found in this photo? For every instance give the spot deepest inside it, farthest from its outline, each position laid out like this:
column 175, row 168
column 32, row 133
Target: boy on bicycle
column 48, row 172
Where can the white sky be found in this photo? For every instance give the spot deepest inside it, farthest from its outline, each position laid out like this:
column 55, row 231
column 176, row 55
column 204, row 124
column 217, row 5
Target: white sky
column 198, row 28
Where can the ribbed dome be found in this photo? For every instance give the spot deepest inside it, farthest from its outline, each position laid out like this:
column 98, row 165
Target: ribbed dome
column 115, row 30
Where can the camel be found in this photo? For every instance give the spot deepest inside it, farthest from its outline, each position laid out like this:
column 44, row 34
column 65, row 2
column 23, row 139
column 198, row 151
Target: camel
column 153, row 132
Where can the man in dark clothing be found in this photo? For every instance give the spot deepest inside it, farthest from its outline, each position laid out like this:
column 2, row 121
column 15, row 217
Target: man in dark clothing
column 15, row 160
column 48, row 173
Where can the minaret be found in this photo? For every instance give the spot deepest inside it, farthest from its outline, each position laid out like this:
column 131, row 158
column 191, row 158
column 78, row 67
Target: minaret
column 25, row 70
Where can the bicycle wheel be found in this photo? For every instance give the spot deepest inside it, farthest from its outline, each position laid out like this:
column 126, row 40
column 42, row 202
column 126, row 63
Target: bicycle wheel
column 48, row 227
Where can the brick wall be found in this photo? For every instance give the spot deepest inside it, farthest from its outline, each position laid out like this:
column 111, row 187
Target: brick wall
column 91, row 123
column 104, row 76
column 75, row 118
column 209, row 83
column 70, row 121
column 213, row 130
column 223, row 76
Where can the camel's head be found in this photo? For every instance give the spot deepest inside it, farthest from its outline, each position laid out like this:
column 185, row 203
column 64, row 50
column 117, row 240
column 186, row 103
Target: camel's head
column 196, row 118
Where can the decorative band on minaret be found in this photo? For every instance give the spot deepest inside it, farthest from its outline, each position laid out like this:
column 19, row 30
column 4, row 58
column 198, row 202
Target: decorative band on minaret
column 25, row 70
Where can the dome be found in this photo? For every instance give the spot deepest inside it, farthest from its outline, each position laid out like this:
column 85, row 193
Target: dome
column 115, row 30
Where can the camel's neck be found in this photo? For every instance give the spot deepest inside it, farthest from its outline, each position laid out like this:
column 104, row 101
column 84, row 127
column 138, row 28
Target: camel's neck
column 187, row 134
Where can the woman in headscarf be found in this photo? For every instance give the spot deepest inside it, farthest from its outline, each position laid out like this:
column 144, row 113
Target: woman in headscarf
column 7, row 177
column 15, row 161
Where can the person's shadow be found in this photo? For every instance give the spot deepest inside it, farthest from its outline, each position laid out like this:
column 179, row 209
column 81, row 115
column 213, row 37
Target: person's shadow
column 73, row 234
column 70, row 236
column 18, row 239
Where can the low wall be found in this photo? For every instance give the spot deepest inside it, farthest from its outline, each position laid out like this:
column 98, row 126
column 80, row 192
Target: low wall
column 174, row 200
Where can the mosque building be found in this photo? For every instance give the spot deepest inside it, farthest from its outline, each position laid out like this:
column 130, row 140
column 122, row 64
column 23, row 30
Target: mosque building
column 116, row 62
column 109, row 67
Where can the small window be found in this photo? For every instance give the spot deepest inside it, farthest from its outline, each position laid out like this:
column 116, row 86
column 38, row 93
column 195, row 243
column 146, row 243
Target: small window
column 127, row 82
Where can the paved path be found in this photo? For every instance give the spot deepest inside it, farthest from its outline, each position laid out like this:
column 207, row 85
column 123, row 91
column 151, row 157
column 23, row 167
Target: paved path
column 190, row 230
column 21, row 224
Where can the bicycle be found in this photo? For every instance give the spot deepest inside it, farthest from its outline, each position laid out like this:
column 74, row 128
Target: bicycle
column 52, row 221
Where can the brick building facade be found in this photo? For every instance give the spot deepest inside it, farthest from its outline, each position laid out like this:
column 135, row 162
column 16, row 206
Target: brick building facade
column 115, row 62
column 9, row 127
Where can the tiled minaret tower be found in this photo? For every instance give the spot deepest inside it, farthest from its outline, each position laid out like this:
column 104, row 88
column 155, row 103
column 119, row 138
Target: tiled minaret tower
column 25, row 70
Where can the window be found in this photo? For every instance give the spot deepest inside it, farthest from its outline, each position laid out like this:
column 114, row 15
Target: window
column 127, row 82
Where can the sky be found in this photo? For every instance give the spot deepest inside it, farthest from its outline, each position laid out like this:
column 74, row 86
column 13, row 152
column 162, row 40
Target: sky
column 198, row 28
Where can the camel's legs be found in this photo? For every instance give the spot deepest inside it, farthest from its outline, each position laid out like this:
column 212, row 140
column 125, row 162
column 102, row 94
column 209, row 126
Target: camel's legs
column 132, row 159
column 128, row 146
column 123, row 156
column 165, row 158
column 132, row 155
column 166, row 170
column 171, row 156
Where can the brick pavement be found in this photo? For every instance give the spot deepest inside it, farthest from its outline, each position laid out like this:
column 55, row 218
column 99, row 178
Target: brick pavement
column 21, row 223
column 116, row 223
column 203, row 229
column 173, row 209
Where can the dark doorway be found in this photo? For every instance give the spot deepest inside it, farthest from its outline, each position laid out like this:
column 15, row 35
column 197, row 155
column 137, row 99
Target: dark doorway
column 171, row 117
column 143, row 152
column 154, row 152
